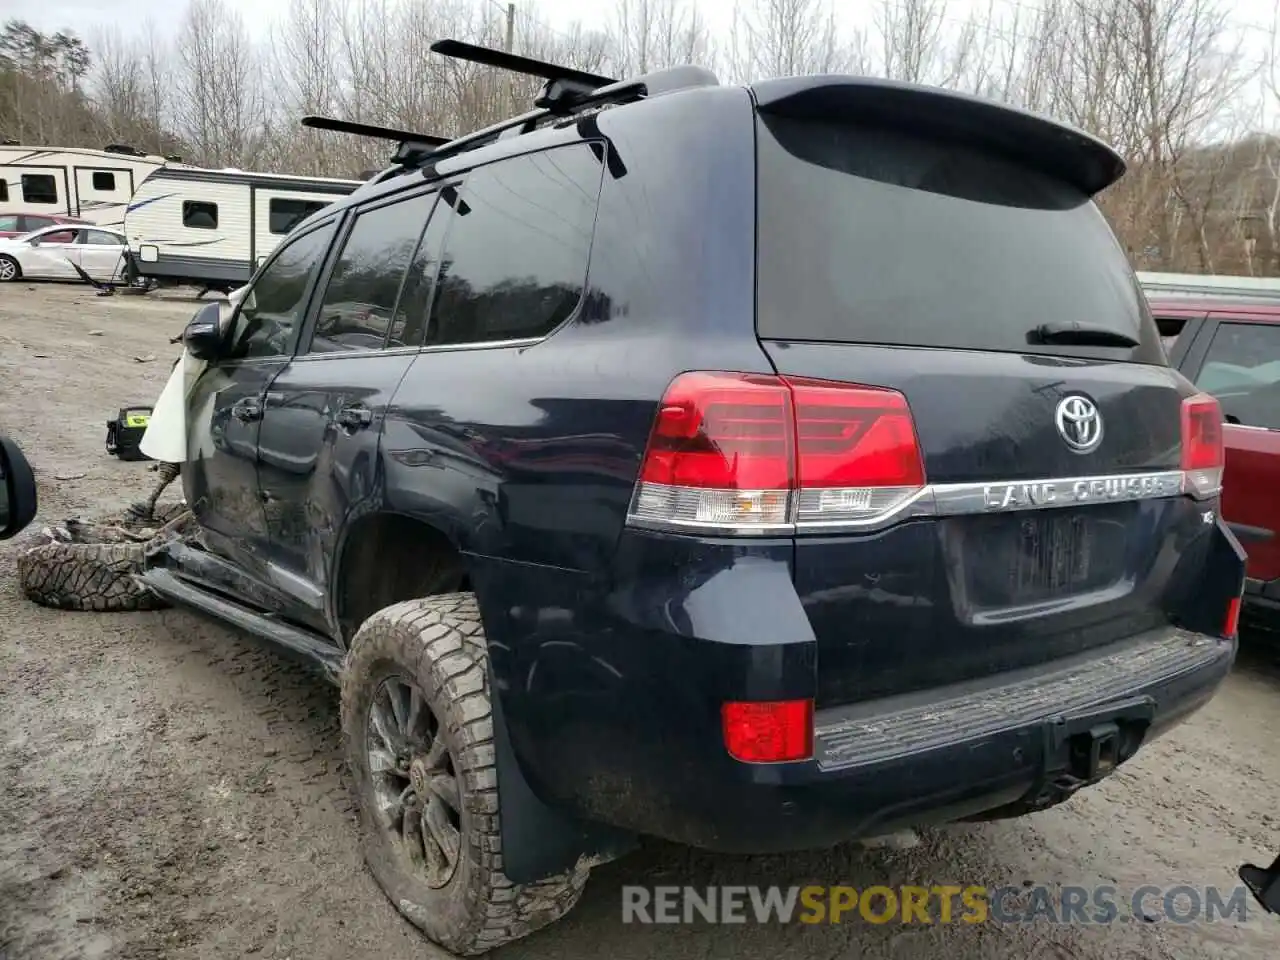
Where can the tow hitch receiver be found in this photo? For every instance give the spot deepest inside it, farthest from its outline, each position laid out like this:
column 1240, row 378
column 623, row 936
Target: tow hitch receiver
column 1095, row 753
column 1083, row 749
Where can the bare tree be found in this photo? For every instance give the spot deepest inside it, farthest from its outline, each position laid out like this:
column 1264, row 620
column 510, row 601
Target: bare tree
column 772, row 38
column 650, row 34
column 221, row 107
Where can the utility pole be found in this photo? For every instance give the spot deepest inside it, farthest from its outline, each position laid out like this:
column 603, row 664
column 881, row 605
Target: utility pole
column 511, row 44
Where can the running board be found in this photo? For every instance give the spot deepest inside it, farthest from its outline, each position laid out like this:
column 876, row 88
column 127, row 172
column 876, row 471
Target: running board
column 294, row 639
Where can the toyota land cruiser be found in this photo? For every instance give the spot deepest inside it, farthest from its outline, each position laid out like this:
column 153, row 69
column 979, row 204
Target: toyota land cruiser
column 752, row 467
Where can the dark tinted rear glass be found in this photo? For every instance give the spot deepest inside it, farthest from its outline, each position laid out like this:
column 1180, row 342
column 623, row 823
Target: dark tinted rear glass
column 872, row 235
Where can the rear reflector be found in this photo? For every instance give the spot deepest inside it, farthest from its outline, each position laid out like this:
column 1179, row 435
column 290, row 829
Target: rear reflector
column 756, row 453
column 769, row 732
column 1232, row 624
column 1203, row 454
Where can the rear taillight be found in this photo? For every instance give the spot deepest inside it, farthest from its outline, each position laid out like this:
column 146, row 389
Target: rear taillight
column 1203, row 455
column 768, row 732
column 759, row 454
column 1231, row 623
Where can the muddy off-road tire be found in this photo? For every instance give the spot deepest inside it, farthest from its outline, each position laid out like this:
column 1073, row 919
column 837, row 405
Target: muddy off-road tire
column 417, row 671
column 87, row 575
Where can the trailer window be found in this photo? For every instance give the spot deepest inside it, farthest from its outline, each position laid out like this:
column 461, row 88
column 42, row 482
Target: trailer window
column 284, row 214
column 39, row 188
column 104, row 181
column 4, row 191
column 199, row 215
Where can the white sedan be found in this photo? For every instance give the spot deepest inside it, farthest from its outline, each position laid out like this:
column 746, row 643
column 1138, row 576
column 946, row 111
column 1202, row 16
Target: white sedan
column 50, row 252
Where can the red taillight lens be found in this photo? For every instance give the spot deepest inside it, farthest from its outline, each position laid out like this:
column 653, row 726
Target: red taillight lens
column 769, row 732
column 756, row 453
column 853, row 436
column 729, row 431
column 1232, row 624
column 1203, row 454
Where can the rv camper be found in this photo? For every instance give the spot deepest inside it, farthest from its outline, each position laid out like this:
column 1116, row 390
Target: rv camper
column 91, row 185
column 211, row 228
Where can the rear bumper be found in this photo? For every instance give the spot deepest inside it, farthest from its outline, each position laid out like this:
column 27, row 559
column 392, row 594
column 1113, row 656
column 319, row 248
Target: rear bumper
column 966, row 752
column 612, row 701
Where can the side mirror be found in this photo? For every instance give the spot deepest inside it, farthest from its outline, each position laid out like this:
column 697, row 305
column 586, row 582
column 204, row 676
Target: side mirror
column 17, row 490
column 203, row 334
column 34, row 241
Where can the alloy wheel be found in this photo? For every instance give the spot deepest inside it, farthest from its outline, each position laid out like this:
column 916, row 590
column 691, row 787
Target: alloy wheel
column 416, row 787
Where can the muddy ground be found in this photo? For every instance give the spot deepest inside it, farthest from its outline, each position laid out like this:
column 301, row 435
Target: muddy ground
column 170, row 789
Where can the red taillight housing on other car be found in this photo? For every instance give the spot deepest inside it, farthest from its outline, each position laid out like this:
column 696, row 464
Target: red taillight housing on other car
column 1203, row 453
column 755, row 453
column 768, row 732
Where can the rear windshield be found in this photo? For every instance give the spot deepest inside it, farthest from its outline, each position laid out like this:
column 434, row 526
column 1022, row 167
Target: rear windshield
column 872, row 235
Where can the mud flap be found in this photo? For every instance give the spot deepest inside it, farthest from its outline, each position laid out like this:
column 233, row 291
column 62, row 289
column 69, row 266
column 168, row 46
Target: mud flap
column 537, row 841
column 1264, row 884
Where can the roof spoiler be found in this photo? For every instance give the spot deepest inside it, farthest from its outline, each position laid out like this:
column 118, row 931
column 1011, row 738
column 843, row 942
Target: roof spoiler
column 1072, row 155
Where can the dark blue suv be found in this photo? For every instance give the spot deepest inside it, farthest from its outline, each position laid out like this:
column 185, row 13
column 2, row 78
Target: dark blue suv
column 752, row 467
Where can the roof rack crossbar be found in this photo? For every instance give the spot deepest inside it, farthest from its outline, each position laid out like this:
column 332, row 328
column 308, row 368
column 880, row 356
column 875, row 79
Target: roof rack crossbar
column 373, row 131
column 627, row 90
column 567, row 93
column 489, row 57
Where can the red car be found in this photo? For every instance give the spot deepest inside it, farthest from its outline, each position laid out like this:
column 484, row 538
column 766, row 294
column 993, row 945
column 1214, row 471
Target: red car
column 1232, row 350
column 16, row 224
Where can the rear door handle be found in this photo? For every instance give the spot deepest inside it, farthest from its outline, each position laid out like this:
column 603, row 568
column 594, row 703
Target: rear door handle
column 247, row 410
column 355, row 416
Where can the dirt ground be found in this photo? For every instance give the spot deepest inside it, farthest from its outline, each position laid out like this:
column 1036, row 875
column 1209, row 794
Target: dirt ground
column 170, row 789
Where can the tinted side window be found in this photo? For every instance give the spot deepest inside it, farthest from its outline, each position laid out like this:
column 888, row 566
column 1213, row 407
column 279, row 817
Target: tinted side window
column 515, row 259
column 272, row 309
column 35, row 223
column 1242, row 369
column 365, row 282
column 8, row 224
column 284, row 214
column 39, row 188
column 102, row 238
column 410, row 321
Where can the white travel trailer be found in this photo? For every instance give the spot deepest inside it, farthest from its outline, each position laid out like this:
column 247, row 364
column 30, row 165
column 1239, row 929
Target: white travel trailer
column 211, row 228
column 90, row 185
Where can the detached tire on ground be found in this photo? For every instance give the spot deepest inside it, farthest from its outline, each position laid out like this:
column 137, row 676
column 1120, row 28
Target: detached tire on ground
column 418, row 730
column 91, row 565
column 86, row 576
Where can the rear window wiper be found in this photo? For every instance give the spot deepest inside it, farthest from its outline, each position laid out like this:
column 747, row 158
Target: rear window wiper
column 1081, row 334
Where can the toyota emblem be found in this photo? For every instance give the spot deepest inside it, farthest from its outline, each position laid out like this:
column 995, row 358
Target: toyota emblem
column 1079, row 423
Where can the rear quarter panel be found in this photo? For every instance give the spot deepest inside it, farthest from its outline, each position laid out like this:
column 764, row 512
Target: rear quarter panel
column 527, row 457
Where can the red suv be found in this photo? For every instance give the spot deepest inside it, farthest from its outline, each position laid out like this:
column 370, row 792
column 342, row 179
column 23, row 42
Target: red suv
column 16, row 224
column 1232, row 350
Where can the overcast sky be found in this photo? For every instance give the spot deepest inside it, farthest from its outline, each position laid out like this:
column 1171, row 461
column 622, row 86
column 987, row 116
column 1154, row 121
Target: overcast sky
column 84, row 16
